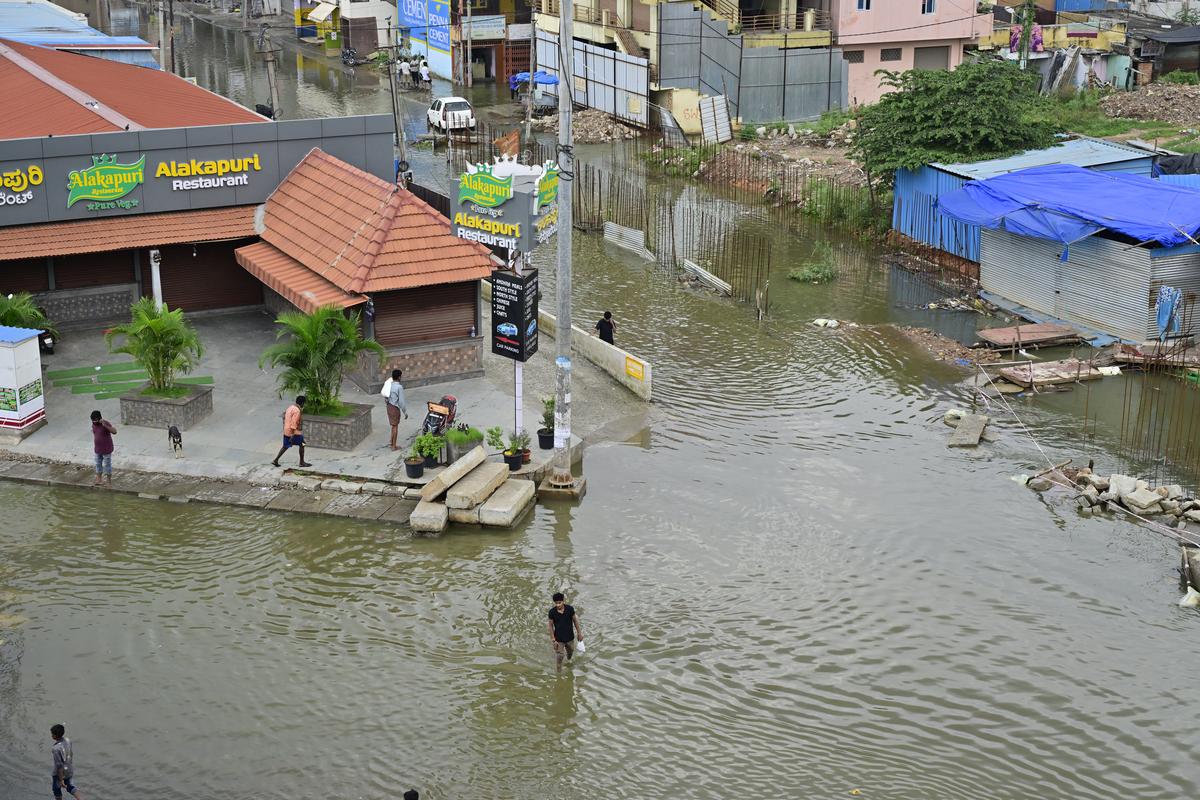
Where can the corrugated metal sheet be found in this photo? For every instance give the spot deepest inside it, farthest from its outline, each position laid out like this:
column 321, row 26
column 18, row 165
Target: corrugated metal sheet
column 1103, row 285
column 629, row 238
column 1083, row 152
column 1187, row 181
column 714, row 120
column 1183, row 272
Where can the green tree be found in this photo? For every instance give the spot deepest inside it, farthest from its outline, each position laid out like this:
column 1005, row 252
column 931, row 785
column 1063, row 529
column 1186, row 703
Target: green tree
column 315, row 352
column 159, row 340
column 980, row 110
column 21, row 311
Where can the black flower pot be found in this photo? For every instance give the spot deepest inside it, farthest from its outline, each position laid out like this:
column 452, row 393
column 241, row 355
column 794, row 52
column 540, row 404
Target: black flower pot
column 546, row 438
column 513, row 460
column 431, row 461
column 414, row 468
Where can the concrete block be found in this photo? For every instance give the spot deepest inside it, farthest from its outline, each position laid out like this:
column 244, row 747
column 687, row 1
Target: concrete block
column 428, row 517
column 308, row 483
column 373, row 487
column 149, row 496
column 548, row 490
column 1141, row 499
column 452, row 474
column 477, row 486
column 1121, row 485
column 464, row 516
column 1193, row 515
column 508, row 503
column 395, row 489
column 412, row 494
column 339, row 485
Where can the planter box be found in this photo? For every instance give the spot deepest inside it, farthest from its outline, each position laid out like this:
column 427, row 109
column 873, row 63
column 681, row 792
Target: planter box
column 338, row 433
column 163, row 412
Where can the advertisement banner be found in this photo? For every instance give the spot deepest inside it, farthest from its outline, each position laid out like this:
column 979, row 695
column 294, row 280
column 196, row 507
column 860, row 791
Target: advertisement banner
column 514, row 314
column 506, row 205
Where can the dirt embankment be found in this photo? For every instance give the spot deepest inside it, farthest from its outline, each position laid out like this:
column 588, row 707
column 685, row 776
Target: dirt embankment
column 1166, row 102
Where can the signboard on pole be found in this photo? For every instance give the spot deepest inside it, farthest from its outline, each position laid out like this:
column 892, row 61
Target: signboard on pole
column 515, row 314
column 506, row 204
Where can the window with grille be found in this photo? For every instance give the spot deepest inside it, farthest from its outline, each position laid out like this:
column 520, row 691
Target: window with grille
column 853, row 56
column 891, row 54
column 928, row 6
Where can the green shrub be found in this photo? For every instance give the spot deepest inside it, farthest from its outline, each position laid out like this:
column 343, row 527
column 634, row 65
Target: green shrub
column 429, row 445
column 495, row 437
column 747, row 133
column 1181, row 77
column 464, row 436
column 821, row 267
column 830, row 121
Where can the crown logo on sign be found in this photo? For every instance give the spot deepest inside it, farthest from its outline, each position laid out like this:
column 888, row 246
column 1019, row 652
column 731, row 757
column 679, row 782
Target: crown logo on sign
column 103, row 160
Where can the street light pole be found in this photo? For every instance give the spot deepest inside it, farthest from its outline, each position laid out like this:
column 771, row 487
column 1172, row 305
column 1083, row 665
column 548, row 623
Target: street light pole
column 560, row 474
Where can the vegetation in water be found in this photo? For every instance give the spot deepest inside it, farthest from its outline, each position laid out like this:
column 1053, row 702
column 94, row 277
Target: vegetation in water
column 160, row 341
column 315, row 351
column 820, row 268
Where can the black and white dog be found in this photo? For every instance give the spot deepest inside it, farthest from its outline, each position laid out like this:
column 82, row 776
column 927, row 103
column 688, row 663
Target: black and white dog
column 175, row 439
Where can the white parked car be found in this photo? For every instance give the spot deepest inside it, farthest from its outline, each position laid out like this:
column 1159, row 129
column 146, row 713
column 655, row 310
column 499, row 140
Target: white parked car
column 451, row 114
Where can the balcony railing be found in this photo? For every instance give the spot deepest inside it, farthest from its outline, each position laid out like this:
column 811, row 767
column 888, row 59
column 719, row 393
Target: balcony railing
column 579, row 12
column 803, row 20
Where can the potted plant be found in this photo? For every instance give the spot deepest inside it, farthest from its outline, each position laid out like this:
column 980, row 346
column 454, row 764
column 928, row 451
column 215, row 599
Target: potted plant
column 316, row 350
column 430, row 446
column 166, row 347
column 21, row 311
column 546, row 432
column 461, row 439
column 495, row 439
column 514, row 453
column 414, row 463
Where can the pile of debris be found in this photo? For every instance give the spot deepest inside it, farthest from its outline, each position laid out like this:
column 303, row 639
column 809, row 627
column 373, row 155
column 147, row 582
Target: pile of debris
column 1168, row 102
column 1133, row 494
column 943, row 348
column 590, row 127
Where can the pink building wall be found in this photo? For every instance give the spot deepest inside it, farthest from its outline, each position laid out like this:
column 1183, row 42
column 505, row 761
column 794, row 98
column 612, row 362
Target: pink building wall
column 892, row 25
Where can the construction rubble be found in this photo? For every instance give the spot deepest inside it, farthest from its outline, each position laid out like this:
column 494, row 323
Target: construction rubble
column 590, row 127
column 1165, row 102
column 1098, row 493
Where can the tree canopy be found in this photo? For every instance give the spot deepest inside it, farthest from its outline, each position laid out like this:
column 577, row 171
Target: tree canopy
column 980, row 110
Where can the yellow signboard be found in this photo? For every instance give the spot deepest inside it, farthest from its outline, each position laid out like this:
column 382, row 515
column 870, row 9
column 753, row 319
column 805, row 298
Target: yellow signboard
column 635, row 369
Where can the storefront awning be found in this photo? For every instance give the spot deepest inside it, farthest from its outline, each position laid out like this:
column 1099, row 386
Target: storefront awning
column 296, row 283
column 321, row 12
column 126, row 233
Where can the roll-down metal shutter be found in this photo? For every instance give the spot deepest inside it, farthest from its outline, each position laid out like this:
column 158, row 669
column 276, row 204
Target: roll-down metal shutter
column 427, row 314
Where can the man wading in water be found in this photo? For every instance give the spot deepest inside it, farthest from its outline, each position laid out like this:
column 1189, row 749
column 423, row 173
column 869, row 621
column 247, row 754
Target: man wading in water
column 564, row 629
column 64, row 767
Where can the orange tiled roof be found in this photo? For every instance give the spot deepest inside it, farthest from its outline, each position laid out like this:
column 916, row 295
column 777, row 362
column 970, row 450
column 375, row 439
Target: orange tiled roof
column 148, row 97
column 123, row 233
column 299, row 285
column 363, row 234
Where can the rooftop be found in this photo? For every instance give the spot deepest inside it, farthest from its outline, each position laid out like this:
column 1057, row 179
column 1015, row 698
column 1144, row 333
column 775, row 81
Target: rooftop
column 1082, row 152
column 43, row 23
column 67, row 93
column 9, row 335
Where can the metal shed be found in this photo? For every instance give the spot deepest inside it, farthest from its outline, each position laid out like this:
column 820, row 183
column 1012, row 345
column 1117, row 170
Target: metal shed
column 915, row 213
column 1104, row 284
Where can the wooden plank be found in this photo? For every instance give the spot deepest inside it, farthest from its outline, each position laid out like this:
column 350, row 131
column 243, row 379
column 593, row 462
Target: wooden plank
column 1028, row 335
column 1051, row 372
column 968, row 431
column 1128, row 354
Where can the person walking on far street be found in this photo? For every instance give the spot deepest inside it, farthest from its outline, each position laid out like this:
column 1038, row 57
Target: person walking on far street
column 564, row 629
column 102, row 433
column 293, row 430
column 64, row 769
column 606, row 327
column 405, row 73
column 426, row 78
column 396, row 405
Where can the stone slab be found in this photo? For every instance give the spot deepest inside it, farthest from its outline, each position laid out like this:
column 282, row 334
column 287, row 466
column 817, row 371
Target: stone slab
column 259, row 496
column 1141, row 499
column 477, row 486
column 373, row 487
column 453, row 473
column 31, row 473
column 412, row 494
column 464, row 516
column 218, row 493
column 1121, row 485
column 291, row 499
column 508, row 503
column 428, row 517
column 359, row 506
column 399, row 512
column 968, row 431
column 1193, row 515
column 339, row 485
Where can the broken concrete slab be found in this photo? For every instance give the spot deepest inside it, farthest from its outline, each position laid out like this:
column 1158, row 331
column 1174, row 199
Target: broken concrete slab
column 968, row 430
column 508, row 503
column 453, row 473
column 1040, row 484
column 1174, row 491
column 1193, row 515
column 1121, row 485
column 373, row 487
column 1141, row 499
column 1089, row 479
column 399, row 512
column 1091, row 494
column 464, row 516
column 429, row 517
column 359, row 506
column 477, row 485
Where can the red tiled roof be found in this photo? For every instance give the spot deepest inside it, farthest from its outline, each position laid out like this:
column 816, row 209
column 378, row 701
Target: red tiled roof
column 149, row 98
column 299, row 285
column 123, row 233
column 363, row 234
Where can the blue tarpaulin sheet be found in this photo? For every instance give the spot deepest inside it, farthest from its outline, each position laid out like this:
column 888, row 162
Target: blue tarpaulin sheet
column 1065, row 203
column 538, row 77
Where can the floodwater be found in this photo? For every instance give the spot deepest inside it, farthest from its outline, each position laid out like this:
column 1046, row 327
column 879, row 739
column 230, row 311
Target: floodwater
column 788, row 585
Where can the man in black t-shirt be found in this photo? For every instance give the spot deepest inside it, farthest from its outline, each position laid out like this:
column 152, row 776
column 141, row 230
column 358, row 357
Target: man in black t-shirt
column 564, row 629
column 605, row 328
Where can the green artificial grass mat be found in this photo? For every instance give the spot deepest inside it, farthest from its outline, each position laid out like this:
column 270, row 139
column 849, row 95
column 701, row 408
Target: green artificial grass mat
column 108, row 395
column 77, row 372
column 84, row 381
column 106, row 387
column 195, row 381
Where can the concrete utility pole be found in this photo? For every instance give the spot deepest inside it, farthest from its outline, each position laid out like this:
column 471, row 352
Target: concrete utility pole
column 162, row 38
column 171, row 31
column 394, row 52
column 560, row 476
column 1027, row 17
column 470, row 44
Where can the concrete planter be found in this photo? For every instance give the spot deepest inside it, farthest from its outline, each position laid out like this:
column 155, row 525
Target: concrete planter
column 338, row 433
column 162, row 412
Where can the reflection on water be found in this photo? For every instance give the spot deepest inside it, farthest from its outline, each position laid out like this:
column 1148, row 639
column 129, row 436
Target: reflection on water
column 789, row 587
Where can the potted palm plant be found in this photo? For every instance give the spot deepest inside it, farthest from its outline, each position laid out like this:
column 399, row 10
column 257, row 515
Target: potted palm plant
column 414, row 463
column 546, row 432
column 20, row 310
column 430, row 445
column 162, row 343
column 316, row 350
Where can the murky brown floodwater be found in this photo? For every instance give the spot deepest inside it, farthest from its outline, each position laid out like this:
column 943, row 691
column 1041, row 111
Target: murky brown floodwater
column 791, row 588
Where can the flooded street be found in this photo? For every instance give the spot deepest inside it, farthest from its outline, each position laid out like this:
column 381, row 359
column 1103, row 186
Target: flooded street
column 788, row 585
